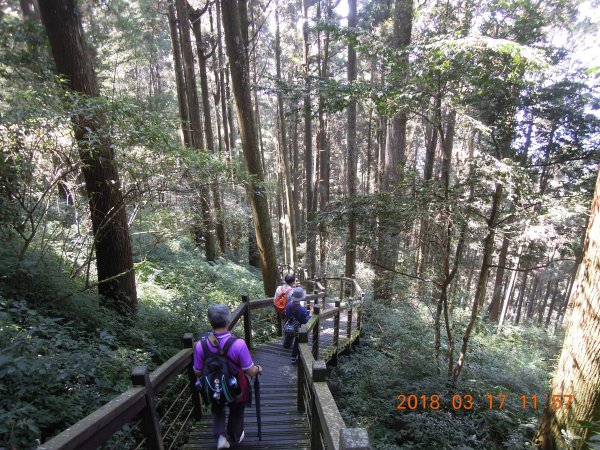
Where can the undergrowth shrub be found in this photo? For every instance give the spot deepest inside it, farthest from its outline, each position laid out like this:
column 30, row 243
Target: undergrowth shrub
column 54, row 371
column 395, row 357
column 63, row 354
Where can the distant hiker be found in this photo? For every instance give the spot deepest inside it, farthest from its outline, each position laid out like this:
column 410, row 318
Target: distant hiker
column 283, row 294
column 220, row 362
column 295, row 316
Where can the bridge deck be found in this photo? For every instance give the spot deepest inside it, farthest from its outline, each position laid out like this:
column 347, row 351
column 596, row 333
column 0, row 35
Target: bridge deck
column 282, row 426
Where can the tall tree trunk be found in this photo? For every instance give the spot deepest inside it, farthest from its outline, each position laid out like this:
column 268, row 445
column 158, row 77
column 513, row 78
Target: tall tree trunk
column 578, row 372
column 542, row 308
column 283, row 149
column 195, row 16
column 494, row 309
column 351, row 166
column 531, row 297
column 196, row 128
column 112, row 244
column 488, row 248
column 447, row 272
column 432, row 131
column 510, row 288
column 431, row 137
column 311, row 245
column 552, row 303
column 323, row 141
column 190, row 77
column 388, row 234
column 179, row 76
column 245, row 114
column 221, row 87
column 296, row 172
column 521, row 297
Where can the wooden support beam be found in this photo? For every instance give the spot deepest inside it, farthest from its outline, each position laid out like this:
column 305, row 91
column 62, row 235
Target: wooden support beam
column 316, row 331
column 247, row 321
column 140, row 376
column 188, row 342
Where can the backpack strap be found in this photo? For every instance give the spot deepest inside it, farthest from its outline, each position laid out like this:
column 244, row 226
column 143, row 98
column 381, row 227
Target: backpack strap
column 215, row 343
column 205, row 350
column 228, row 345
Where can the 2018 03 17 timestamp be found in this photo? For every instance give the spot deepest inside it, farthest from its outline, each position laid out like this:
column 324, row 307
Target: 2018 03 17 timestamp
column 467, row 402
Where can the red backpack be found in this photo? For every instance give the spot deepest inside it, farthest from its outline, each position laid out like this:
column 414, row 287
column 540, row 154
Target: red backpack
column 281, row 300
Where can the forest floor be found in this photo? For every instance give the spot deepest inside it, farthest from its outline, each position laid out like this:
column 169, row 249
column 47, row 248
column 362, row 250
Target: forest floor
column 393, row 374
column 62, row 354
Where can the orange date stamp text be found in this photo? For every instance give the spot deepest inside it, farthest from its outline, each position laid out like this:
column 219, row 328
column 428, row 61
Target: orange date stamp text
column 466, row 402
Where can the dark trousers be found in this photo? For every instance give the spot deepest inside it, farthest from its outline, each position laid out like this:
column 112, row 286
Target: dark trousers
column 291, row 340
column 295, row 349
column 288, row 340
column 235, row 424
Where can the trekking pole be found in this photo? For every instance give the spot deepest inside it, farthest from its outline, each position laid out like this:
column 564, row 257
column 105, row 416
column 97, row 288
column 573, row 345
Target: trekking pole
column 257, row 400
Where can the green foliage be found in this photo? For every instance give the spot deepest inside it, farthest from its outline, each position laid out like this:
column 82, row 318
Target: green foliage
column 62, row 355
column 54, row 371
column 394, row 358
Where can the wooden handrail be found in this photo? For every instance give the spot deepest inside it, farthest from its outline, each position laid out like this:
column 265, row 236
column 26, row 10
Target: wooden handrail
column 314, row 397
column 170, row 369
column 326, row 421
column 96, row 428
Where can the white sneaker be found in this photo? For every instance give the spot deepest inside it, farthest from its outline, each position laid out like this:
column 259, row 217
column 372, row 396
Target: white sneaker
column 222, row 442
column 241, row 438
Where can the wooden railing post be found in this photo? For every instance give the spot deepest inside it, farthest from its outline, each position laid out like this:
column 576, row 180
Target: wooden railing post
column 302, row 339
column 316, row 294
column 316, row 332
column 353, row 287
column 319, row 374
column 188, row 342
column 247, row 322
column 349, row 329
column 342, row 287
column 354, row 439
column 336, row 334
column 140, row 376
column 359, row 313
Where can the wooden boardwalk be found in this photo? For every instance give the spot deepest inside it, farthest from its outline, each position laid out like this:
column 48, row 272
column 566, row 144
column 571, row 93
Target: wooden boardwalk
column 138, row 417
column 283, row 427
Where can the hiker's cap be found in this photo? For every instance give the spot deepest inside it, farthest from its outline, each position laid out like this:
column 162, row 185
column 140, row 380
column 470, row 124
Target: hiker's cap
column 298, row 294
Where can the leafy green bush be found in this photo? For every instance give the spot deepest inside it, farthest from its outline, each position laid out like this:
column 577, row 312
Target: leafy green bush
column 395, row 357
column 62, row 354
column 54, row 371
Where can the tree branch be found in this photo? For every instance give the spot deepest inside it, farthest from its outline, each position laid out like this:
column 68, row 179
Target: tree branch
column 527, row 269
column 416, row 277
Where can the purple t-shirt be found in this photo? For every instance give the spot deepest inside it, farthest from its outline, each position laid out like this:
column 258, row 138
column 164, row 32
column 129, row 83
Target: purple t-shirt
column 238, row 353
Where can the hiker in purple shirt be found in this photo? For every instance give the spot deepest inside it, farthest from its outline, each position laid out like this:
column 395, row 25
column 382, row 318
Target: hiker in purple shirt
column 239, row 357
